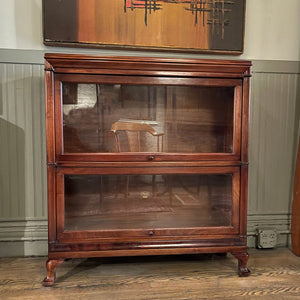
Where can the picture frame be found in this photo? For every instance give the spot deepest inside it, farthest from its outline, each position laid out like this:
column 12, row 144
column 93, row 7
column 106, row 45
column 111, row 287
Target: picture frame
column 201, row 26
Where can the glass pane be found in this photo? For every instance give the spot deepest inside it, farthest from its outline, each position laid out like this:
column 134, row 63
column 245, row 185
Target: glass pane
column 95, row 202
column 139, row 118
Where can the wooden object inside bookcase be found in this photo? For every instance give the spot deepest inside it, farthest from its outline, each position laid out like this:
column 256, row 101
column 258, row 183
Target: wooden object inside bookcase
column 189, row 196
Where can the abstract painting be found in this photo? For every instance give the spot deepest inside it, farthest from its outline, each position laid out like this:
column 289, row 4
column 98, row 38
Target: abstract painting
column 180, row 25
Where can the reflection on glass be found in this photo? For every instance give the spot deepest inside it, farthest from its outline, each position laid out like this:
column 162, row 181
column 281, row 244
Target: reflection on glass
column 95, row 202
column 139, row 118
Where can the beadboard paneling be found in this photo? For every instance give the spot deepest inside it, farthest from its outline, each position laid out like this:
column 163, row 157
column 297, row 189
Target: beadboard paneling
column 22, row 138
column 274, row 121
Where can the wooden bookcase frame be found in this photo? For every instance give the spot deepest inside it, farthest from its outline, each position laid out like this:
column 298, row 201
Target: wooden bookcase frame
column 65, row 244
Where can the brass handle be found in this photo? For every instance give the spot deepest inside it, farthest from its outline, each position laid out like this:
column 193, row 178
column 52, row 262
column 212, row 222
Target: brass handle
column 151, row 157
column 151, row 233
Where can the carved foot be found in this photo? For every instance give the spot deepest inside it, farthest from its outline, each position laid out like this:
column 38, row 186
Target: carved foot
column 242, row 258
column 51, row 264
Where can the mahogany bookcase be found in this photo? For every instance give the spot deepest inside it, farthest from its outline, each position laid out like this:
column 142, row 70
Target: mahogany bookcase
column 146, row 156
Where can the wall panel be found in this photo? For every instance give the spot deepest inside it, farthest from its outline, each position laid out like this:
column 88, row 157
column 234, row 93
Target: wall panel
column 22, row 136
column 274, row 125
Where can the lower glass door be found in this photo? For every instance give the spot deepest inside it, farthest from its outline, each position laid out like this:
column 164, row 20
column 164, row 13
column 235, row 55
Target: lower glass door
column 155, row 201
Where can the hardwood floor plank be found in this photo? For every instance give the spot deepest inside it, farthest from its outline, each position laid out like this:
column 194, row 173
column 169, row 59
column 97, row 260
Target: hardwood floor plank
column 275, row 275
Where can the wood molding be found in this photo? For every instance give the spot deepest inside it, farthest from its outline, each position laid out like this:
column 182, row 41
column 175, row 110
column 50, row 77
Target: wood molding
column 278, row 222
column 276, row 66
column 16, row 230
column 29, row 237
column 295, row 222
column 22, row 56
column 281, row 222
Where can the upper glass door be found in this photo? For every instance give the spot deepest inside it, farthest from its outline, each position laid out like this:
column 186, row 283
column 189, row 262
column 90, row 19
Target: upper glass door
column 159, row 119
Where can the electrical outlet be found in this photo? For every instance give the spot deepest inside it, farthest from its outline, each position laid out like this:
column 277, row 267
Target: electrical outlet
column 266, row 238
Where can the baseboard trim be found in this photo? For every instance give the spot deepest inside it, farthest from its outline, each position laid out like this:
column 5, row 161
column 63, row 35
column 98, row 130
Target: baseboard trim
column 29, row 237
column 26, row 230
column 23, row 238
column 279, row 222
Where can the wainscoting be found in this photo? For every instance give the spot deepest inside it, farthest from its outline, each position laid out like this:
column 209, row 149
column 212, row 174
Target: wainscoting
column 274, row 124
column 274, row 127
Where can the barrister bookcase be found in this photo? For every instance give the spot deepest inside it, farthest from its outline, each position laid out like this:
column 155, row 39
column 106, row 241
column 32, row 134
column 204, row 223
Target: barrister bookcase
column 146, row 156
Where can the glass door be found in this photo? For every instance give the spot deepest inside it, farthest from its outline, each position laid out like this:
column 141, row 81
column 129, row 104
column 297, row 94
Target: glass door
column 168, row 120
column 160, row 202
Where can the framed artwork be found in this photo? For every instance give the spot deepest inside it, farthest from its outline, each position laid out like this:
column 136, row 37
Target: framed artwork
column 178, row 25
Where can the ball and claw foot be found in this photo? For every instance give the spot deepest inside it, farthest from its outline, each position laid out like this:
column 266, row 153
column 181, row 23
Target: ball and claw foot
column 242, row 258
column 51, row 264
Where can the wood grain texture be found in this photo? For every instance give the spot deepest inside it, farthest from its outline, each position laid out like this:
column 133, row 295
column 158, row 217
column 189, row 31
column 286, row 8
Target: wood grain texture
column 295, row 228
column 275, row 275
column 129, row 65
column 69, row 236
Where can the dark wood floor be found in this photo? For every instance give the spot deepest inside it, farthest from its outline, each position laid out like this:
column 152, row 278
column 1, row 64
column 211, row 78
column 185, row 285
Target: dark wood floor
column 275, row 275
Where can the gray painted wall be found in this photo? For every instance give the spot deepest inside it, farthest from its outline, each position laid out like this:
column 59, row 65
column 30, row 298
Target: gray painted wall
column 274, row 124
